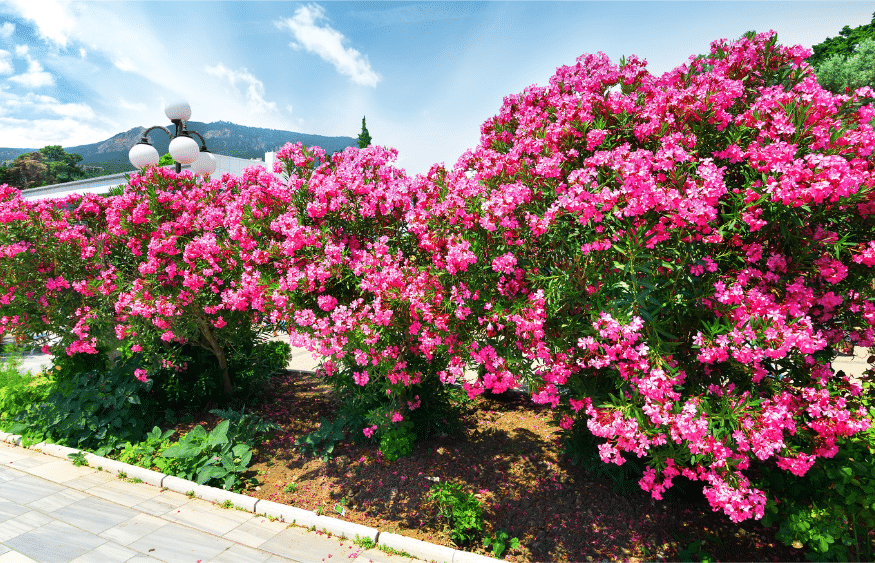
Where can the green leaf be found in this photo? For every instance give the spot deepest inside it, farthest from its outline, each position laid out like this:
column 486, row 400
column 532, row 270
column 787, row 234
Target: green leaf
column 209, row 472
column 180, row 451
column 219, row 435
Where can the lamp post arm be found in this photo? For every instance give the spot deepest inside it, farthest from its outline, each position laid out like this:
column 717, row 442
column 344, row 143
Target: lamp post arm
column 203, row 142
column 145, row 139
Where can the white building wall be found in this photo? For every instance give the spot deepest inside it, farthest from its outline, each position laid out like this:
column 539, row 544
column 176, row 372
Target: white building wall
column 230, row 164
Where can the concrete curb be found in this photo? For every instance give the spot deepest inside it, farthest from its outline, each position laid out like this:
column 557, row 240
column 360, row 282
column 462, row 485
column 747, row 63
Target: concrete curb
column 288, row 514
column 417, row 548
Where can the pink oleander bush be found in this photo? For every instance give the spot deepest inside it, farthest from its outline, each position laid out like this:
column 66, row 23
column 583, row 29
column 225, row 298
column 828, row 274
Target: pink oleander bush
column 671, row 262
column 353, row 285
column 155, row 267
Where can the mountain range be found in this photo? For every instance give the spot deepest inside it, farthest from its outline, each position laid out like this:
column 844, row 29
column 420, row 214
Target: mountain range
column 222, row 137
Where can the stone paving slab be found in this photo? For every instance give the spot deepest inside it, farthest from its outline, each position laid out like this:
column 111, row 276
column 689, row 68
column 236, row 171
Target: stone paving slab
column 308, row 547
column 60, row 470
column 27, row 488
column 175, row 543
column 207, row 517
column 133, row 529
column 54, row 542
column 94, row 515
column 121, row 492
column 256, row 531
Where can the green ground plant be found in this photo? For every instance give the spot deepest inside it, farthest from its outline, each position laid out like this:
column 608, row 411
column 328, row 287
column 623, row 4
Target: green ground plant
column 499, row 542
column 95, row 411
column 209, row 458
column 17, row 390
column 143, row 454
column 398, row 441
column 78, row 459
column 364, row 543
column 462, row 511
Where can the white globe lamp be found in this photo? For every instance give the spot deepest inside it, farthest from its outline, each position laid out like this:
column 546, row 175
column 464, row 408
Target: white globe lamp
column 184, row 149
column 205, row 164
column 142, row 155
column 178, row 110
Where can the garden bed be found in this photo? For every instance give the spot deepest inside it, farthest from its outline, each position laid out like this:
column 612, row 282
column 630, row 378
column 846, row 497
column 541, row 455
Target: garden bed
column 508, row 457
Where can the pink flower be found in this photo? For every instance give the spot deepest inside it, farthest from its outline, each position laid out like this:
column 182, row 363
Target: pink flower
column 368, row 432
column 326, row 302
column 360, row 378
column 140, row 374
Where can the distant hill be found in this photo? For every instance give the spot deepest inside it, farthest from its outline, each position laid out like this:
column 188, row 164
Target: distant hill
column 222, row 137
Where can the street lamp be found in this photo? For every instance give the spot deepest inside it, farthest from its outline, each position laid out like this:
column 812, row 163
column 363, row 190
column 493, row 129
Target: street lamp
column 183, row 148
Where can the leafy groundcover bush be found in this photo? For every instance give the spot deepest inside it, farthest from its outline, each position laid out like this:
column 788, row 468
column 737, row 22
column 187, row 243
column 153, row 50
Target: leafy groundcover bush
column 109, row 412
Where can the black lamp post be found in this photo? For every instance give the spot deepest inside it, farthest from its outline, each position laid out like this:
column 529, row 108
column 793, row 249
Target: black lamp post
column 183, row 148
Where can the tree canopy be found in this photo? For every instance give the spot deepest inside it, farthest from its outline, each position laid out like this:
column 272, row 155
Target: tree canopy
column 840, row 72
column 845, row 44
column 846, row 62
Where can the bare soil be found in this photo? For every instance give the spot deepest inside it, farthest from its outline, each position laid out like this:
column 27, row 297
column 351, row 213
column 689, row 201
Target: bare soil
column 509, row 457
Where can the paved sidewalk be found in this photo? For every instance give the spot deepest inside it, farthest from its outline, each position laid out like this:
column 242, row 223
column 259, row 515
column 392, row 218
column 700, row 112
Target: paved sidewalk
column 54, row 512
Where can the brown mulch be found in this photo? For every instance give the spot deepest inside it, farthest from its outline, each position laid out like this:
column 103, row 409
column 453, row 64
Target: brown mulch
column 508, row 456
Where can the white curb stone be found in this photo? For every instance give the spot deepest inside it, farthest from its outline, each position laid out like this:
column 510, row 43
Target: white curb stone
column 55, row 449
column 178, row 485
column 145, row 475
column 417, row 548
column 13, row 439
column 214, row 494
column 289, row 514
column 110, row 465
column 349, row 530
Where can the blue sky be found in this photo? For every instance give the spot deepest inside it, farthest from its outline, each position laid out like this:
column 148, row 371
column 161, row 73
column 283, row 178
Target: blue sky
column 426, row 74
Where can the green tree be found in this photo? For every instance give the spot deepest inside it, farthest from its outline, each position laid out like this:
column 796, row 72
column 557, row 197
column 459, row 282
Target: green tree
column 840, row 72
column 166, row 160
column 845, row 44
column 62, row 166
column 364, row 136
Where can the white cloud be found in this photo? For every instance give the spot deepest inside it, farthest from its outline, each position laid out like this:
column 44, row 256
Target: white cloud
column 290, row 109
column 34, row 133
column 6, row 62
column 35, row 77
column 254, row 86
column 22, row 50
column 136, row 106
column 7, row 29
column 328, row 44
column 125, row 64
column 53, row 18
column 39, row 105
column 34, row 120
column 126, row 38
